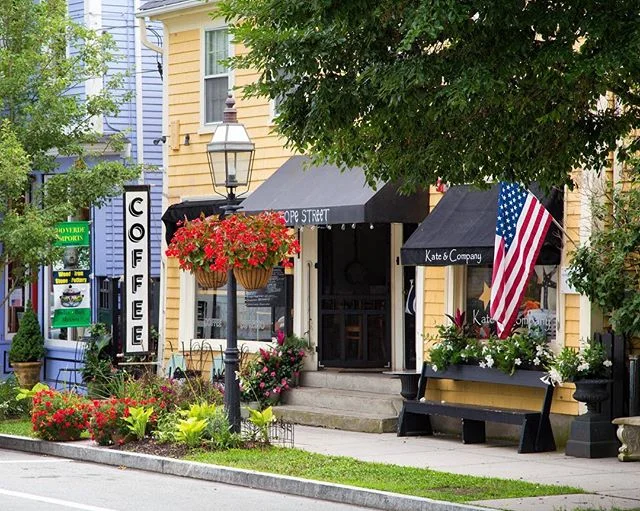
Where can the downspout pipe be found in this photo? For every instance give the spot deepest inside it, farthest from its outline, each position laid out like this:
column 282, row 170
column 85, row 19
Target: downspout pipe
column 145, row 41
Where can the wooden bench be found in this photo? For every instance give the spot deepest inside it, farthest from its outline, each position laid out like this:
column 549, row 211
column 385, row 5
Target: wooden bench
column 536, row 433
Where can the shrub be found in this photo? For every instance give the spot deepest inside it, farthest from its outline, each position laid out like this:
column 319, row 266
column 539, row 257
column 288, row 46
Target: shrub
column 10, row 406
column 108, row 424
column 28, row 343
column 589, row 362
column 59, row 416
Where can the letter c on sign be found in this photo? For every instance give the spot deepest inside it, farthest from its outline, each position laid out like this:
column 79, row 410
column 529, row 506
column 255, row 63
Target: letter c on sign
column 133, row 207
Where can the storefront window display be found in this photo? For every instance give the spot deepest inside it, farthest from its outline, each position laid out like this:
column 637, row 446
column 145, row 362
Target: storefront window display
column 259, row 318
column 538, row 305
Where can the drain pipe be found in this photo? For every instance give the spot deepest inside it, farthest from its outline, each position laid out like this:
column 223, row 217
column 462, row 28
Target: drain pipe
column 145, row 41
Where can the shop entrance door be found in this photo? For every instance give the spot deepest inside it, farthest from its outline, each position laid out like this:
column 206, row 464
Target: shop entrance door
column 354, row 272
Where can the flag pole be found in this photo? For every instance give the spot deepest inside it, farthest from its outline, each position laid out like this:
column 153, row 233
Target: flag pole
column 557, row 224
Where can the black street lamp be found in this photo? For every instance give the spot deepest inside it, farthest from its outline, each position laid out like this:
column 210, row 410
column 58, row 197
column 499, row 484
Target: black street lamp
column 230, row 154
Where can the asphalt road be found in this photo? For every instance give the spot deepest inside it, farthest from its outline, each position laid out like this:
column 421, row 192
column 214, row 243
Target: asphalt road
column 31, row 482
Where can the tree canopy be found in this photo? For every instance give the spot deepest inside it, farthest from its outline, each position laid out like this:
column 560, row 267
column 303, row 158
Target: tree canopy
column 457, row 89
column 45, row 60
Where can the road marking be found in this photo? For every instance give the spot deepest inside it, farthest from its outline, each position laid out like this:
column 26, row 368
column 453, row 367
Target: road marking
column 67, row 503
column 34, row 461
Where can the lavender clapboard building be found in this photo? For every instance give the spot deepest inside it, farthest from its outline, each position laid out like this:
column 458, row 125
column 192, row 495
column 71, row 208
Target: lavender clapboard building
column 140, row 121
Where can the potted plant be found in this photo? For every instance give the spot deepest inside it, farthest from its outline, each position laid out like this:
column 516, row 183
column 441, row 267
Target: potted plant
column 27, row 349
column 252, row 245
column 194, row 244
column 592, row 435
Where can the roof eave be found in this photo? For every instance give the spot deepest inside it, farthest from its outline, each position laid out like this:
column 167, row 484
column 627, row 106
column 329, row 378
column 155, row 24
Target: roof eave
column 167, row 9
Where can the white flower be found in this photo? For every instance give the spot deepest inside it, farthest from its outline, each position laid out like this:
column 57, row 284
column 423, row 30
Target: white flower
column 423, row 399
column 489, row 360
column 539, row 350
column 435, row 368
column 607, row 363
column 583, row 367
column 536, row 361
column 552, row 377
column 517, row 361
column 482, row 364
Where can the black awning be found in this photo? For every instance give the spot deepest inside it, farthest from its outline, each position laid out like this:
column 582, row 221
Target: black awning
column 320, row 195
column 461, row 229
column 189, row 209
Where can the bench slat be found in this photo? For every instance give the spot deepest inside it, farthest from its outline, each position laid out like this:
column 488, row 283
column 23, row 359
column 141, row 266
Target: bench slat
column 473, row 412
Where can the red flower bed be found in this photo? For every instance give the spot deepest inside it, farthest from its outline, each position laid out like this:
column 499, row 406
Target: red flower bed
column 59, row 416
column 107, row 425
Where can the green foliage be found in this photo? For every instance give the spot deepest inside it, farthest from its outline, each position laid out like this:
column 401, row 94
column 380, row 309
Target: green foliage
column 451, row 89
column 28, row 344
column 138, row 420
column 589, row 362
column 30, row 393
column 97, row 371
column 607, row 267
column 39, row 120
column 419, row 482
column 190, row 431
column 11, row 405
column 200, row 410
column 166, row 429
column 262, row 420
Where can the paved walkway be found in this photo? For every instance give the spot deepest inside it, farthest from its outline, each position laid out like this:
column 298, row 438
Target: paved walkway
column 615, row 483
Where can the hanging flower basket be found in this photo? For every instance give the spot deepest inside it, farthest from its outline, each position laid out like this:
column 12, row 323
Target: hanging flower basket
column 210, row 279
column 253, row 278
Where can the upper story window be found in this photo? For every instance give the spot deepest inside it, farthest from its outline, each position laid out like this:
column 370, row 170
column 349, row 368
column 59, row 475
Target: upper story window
column 216, row 74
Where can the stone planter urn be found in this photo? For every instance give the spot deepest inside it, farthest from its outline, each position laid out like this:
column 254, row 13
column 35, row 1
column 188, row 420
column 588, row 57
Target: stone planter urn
column 592, row 435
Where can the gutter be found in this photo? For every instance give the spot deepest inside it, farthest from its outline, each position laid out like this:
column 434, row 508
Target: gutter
column 169, row 8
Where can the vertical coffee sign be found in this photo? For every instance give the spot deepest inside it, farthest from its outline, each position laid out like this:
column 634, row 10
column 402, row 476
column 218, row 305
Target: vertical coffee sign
column 136, row 269
column 71, row 284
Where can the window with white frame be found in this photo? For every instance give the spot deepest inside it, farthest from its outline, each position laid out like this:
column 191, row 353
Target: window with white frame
column 538, row 305
column 216, row 74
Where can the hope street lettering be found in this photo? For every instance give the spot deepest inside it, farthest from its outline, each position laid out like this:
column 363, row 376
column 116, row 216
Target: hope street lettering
column 316, row 216
column 453, row 256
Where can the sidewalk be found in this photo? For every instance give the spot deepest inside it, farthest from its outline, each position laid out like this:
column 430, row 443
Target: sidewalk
column 615, row 484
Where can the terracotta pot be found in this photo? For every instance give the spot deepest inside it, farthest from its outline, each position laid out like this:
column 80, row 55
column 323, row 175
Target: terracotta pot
column 27, row 373
column 254, row 278
column 211, row 279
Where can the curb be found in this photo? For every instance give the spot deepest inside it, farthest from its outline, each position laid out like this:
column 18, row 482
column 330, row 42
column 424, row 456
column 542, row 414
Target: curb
column 318, row 490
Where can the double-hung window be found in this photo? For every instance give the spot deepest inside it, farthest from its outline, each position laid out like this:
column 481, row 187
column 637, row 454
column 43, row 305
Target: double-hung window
column 216, row 74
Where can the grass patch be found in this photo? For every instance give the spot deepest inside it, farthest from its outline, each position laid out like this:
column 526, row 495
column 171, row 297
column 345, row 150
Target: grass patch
column 19, row 427
column 418, row 482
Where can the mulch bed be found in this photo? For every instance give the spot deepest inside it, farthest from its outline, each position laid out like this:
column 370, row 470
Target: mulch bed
column 148, row 446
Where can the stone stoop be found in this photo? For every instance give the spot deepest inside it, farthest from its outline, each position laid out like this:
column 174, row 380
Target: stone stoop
column 366, row 402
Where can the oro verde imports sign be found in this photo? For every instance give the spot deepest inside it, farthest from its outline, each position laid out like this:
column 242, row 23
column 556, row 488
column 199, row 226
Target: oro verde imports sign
column 71, row 277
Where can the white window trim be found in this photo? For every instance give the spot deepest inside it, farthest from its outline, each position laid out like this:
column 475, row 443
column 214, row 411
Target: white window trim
column 217, row 25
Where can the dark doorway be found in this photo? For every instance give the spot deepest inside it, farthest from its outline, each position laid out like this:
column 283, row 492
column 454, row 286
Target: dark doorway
column 354, row 272
column 409, row 295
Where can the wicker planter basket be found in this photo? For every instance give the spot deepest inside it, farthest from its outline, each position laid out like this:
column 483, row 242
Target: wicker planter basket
column 254, row 278
column 211, row 279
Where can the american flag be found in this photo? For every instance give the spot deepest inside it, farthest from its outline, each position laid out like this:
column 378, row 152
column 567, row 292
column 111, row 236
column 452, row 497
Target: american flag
column 520, row 231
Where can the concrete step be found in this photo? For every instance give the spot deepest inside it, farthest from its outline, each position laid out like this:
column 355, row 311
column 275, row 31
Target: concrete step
column 360, row 381
column 337, row 419
column 346, row 400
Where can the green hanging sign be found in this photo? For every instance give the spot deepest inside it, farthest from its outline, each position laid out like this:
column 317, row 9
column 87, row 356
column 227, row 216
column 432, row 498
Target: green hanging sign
column 71, row 277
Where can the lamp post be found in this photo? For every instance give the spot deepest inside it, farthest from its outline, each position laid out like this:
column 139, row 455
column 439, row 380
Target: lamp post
column 230, row 154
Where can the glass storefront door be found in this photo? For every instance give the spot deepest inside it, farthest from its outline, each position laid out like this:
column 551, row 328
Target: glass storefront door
column 354, row 272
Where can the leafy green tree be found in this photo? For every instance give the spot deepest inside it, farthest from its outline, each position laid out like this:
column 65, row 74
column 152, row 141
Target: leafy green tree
column 607, row 267
column 43, row 58
column 456, row 89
